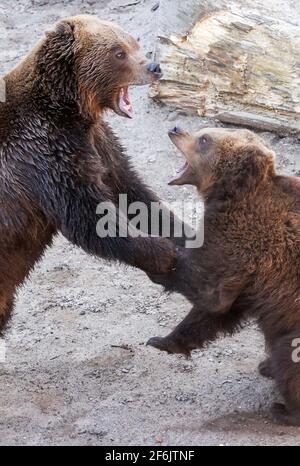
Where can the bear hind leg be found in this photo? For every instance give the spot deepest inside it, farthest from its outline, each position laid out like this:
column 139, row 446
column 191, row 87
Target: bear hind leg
column 285, row 416
column 286, row 370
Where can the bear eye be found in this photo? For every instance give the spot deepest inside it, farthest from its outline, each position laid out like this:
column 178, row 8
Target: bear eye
column 203, row 143
column 120, row 54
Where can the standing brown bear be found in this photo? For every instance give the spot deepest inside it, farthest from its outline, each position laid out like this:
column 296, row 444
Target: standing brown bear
column 59, row 159
column 249, row 265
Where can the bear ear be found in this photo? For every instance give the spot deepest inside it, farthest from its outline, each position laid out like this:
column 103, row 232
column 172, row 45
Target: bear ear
column 63, row 28
column 256, row 164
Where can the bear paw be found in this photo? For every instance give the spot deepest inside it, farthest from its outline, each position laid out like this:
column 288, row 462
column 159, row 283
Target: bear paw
column 168, row 345
column 283, row 416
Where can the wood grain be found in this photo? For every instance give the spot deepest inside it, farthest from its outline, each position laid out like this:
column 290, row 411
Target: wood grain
column 230, row 63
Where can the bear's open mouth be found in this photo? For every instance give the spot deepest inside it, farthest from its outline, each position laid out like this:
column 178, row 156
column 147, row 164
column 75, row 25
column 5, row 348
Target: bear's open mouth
column 124, row 103
column 179, row 173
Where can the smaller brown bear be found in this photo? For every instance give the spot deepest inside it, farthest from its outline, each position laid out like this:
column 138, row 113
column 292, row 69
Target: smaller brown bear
column 248, row 265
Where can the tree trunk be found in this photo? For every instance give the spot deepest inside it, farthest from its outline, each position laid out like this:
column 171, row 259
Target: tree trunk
column 230, row 63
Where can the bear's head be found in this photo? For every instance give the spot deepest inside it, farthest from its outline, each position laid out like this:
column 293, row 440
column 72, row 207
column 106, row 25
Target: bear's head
column 224, row 161
column 92, row 62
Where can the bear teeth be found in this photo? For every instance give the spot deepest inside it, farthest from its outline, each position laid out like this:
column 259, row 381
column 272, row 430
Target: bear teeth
column 125, row 103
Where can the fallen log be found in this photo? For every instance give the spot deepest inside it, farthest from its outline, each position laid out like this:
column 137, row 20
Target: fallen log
column 230, row 63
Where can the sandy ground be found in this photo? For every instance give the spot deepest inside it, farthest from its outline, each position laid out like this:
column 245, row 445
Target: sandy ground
column 65, row 380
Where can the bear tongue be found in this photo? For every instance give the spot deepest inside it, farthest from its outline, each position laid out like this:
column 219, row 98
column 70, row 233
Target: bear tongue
column 124, row 102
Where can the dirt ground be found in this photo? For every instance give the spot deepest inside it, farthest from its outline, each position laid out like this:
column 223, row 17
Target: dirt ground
column 66, row 380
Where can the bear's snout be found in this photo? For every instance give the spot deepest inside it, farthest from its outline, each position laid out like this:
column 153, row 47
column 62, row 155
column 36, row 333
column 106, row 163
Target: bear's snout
column 155, row 68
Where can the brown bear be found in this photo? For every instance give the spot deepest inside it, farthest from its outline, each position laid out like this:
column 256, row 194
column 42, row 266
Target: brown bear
column 249, row 263
column 59, row 159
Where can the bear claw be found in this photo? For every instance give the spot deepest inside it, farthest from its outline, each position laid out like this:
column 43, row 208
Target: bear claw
column 165, row 344
column 157, row 342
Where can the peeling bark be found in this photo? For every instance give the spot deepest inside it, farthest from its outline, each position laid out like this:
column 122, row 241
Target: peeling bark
column 230, row 63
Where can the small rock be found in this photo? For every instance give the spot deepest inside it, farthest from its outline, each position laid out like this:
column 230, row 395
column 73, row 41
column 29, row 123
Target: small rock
column 155, row 7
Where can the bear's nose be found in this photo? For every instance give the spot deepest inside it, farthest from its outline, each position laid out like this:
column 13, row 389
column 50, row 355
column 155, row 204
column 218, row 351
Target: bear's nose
column 154, row 67
column 175, row 130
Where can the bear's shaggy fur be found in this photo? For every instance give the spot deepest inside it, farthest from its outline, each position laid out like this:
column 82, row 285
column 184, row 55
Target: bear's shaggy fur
column 249, row 265
column 59, row 159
